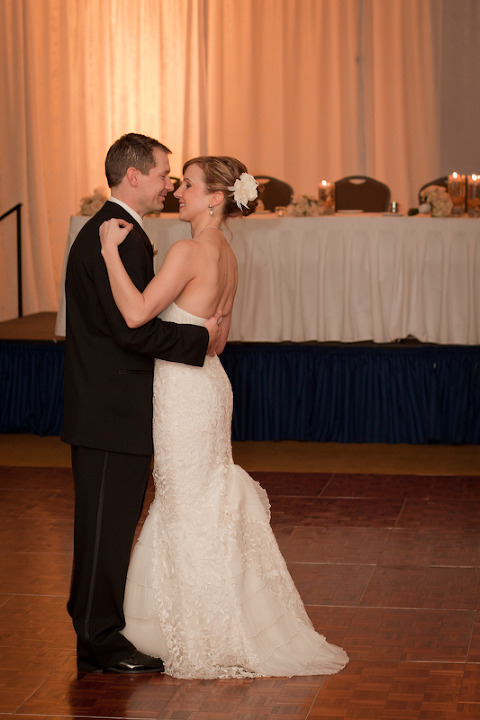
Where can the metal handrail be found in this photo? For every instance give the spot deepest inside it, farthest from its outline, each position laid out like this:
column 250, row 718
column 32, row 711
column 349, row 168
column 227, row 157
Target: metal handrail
column 17, row 209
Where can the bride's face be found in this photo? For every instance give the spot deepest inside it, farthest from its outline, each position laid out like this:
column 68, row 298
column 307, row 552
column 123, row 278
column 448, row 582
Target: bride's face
column 192, row 196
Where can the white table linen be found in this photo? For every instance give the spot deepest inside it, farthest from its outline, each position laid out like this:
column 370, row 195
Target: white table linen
column 344, row 278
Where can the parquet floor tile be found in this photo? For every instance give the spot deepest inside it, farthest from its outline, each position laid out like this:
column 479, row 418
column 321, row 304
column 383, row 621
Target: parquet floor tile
column 456, row 588
column 393, row 691
column 321, row 512
column 109, row 695
column 333, row 544
column 332, row 621
column 471, row 684
column 35, row 504
column 438, row 513
column 388, row 566
column 426, row 487
column 429, row 546
column 22, row 673
column 290, row 510
column 38, row 479
column 400, row 634
column 18, row 716
column 35, row 621
column 46, row 535
column 331, row 584
column 36, row 573
column 474, row 653
column 293, row 484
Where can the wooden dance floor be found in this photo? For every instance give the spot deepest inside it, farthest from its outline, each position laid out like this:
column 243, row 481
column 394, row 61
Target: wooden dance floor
column 388, row 566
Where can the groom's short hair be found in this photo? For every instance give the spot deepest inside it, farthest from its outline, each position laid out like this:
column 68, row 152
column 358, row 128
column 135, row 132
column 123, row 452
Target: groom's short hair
column 131, row 150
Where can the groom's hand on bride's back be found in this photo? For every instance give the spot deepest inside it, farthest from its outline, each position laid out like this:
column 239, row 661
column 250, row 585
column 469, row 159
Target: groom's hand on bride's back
column 213, row 327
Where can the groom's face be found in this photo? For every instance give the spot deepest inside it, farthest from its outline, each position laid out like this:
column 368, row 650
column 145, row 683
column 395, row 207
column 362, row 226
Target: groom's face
column 152, row 188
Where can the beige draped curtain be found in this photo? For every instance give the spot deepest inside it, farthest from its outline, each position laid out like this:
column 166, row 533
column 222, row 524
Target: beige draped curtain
column 299, row 89
column 320, row 89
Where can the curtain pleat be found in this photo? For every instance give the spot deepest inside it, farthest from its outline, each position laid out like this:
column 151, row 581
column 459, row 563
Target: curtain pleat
column 31, row 388
column 349, row 394
column 300, row 89
column 292, row 392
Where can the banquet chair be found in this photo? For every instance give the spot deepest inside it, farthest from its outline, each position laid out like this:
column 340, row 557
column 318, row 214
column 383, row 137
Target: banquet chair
column 273, row 192
column 359, row 192
column 442, row 181
column 171, row 203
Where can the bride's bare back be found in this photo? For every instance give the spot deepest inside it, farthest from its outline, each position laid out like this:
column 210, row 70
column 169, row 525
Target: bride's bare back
column 200, row 275
column 214, row 282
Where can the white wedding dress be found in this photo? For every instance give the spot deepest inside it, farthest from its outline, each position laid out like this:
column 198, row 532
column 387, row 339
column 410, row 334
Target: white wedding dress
column 208, row 590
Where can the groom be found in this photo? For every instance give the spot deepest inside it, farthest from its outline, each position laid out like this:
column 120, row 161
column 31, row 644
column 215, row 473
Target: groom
column 108, row 403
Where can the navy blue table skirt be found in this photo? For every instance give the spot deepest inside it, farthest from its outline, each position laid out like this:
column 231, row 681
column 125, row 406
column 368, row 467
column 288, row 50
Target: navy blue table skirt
column 325, row 393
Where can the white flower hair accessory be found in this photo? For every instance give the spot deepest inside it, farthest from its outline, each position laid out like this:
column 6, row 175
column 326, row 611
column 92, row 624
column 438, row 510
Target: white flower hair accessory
column 244, row 189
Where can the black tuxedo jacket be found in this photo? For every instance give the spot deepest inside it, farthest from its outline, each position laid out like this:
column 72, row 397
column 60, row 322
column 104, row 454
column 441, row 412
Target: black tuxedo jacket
column 108, row 366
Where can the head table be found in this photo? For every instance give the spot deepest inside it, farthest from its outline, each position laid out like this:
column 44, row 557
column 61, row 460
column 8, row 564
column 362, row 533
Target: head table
column 343, row 278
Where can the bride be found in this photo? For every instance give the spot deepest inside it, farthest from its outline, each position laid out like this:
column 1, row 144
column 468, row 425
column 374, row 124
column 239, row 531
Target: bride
column 208, row 590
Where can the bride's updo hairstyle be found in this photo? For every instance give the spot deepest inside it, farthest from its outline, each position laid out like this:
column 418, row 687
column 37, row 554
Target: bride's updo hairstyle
column 220, row 174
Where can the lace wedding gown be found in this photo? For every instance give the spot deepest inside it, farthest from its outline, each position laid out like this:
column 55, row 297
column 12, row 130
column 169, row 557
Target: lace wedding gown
column 208, row 590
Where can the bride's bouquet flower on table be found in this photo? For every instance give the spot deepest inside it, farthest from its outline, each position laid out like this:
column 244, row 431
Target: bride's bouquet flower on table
column 307, row 206
column 436, row 201
column 92, row 204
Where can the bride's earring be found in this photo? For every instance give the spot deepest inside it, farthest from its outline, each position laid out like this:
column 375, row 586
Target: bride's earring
column 210, row 210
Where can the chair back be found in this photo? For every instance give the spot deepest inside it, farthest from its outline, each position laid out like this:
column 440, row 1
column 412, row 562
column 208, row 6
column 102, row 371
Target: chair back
column 171, row 203
column 360, row 192
column 273, row 192
column 442, row 181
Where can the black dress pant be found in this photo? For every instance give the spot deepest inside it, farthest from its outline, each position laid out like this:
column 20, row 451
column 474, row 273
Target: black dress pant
column 109, row 494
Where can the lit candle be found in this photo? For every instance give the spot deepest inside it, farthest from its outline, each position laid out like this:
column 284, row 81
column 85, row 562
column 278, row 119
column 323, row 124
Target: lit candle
column 456, row 190
column 473, row 195
column 326, row 195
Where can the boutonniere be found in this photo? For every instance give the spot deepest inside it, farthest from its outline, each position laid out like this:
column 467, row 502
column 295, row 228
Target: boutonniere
column 155, row 251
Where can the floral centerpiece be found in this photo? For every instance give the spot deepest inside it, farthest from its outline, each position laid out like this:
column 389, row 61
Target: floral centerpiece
column 306, row 206
column 92, row 204
column 436, row 200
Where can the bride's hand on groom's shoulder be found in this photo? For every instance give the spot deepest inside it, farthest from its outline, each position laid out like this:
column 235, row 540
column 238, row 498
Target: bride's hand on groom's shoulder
column 113, row 232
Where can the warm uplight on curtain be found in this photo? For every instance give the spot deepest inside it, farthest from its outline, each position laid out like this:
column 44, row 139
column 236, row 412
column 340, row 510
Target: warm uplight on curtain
column 283, row 90
column 300, row 89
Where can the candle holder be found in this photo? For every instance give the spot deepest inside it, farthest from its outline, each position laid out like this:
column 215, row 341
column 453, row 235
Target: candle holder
column 456, row 190
column 326, row 195
column 473, row 195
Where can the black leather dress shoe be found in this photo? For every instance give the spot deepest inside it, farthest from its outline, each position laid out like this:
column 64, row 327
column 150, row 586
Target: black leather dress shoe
column 136, row 664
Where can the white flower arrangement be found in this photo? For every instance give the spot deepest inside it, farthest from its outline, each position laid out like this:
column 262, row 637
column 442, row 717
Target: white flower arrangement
column 92, row 204
column 435, row 199
column 245, row 189
column 306, row 206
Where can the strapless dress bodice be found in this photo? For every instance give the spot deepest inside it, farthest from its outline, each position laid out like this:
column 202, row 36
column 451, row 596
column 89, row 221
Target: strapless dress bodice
column 174, row 313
